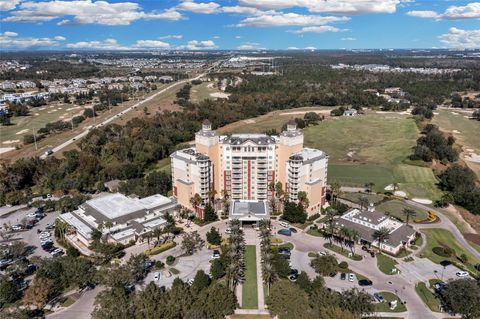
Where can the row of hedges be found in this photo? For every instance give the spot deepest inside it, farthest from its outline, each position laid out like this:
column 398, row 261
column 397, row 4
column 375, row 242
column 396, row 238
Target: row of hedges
column 159, row 249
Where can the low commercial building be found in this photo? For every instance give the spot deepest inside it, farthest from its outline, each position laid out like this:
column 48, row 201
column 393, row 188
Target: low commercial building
column 120, row 218
column 366, row 222
column 249, row 211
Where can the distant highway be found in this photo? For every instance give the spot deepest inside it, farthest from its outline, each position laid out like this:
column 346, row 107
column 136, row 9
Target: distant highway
column 84, row 133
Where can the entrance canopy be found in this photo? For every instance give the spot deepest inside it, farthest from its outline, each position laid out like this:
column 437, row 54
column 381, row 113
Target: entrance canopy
column 249, row 211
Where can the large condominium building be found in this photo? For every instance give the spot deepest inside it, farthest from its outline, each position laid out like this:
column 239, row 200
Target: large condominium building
column 244, row 165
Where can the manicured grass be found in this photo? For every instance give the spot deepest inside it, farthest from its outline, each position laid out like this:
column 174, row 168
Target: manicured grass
column 314, row 232
column 312, row 254
column 163, row 165
column 68, row 302
column 427, row 297
column 438, row 237
column 174, row 271
column 355, row 197
column 384, row 306
column 477, row 247
column 395, row 208
column 249, row 288
column 202, row 91
column 385, row 264
column 251, row 317
column 345, row 252
column 357, row 175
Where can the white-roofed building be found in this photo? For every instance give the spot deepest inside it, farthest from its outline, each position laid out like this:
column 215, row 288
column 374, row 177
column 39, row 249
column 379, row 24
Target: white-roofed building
column 119, row 217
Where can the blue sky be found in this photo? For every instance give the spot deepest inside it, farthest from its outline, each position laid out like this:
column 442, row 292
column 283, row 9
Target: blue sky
column 238, row 24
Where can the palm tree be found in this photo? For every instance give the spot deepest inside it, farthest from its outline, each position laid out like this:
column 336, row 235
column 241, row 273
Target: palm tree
column 363, row 200
column 343, row 233
column 408, row 212
column 303, row 199
column 108, row 225
column 335, row 188
column 211, row 196
column 381, row 235
column 370, row 186
column 195, row 201
column 354, row 237
column 330, row 224
column 236, row 254
column 269, row 275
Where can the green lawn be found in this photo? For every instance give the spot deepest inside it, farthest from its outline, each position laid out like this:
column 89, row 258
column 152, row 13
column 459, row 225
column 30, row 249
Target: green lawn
column 162, row 165
column 384, row 306
column 385, row 264
column 249, row 289
column 355, row 197
column 202, row 91
column 345, row 252
column 427, row 297
column 438, row 237
column 395, row 208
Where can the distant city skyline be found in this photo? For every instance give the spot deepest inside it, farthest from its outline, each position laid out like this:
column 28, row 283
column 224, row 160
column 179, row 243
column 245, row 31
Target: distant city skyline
column 238, row 24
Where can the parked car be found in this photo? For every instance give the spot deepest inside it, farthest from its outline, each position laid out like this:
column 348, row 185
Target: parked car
column 284, row 224
column 216, row 254
column 323, row 253
column 57, row 252
column 228, row 231
column 190, row 281
column 17, row 227
column 157, row 276
column 379, row 297
column 364, row 282
column 461, row 274
column 343, row 276
column 439, row 286
column 351, row 277
column 293, row 230
column 4, row 263
column 148, row 264
column 293, row 275
column 285, row 232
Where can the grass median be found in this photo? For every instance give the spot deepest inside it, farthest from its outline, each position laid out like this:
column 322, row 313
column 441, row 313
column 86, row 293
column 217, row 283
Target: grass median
column 249, row 288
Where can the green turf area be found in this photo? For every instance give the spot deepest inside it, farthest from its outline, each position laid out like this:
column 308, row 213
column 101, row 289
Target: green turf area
column 468, row 128
column 385, row 264
column 314, row 232
column 249, row 288
column 345, row 252
column 37, row 119
column 395, row 209
column 355, row 197
column 286, row 245
column 427, row 297
column 438, row 237
column 385, row 307
column 477, row 247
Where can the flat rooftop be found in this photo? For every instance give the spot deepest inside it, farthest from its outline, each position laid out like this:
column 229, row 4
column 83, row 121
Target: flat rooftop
column 115, row 205
column 249, row 210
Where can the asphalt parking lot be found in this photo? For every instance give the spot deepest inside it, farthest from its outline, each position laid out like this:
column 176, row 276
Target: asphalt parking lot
column 30, row 236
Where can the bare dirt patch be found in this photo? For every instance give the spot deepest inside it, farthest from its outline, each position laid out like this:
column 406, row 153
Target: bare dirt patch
column 474, row 238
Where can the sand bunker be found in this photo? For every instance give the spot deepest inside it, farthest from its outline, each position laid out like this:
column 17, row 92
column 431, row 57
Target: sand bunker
column 436, row 113
column 11, row 142
column 471, row 150
column 425, row 201
column 74, row 108
column 303, row 112
column 400, row 193
column 389, row 187
column 472, row 157
column 455, row 113
column 22, row 131
column 36, row 114
column 220, row 95
column 456, row 132
column 6, row 149
column 249, row 121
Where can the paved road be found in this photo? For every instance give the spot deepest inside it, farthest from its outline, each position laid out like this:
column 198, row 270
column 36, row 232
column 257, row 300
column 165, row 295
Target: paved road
column 136, row 105
column 445, row 223
column 81, row 309
column 305, row 243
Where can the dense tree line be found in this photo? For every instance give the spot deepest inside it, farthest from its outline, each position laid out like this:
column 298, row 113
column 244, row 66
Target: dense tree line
column 434, row 145
column 460, row 181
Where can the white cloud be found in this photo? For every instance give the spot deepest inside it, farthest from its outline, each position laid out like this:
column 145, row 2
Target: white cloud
column 238, row 37
column 11, row 40
column 288, row 19
column 87, row 12
column 310, row 48
column 171, row 36
column 461, row 39
column 151, row 44
column 332, row 6
column 469, row 11
column 250, row 46
column 199, row 7
column 423, row 14
column 319, row 29
column 246, row 10
column 198, row 45
column 293, row 48
column 348, row 39
column 108, row 44
column 216, row 37
column 6, row 5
